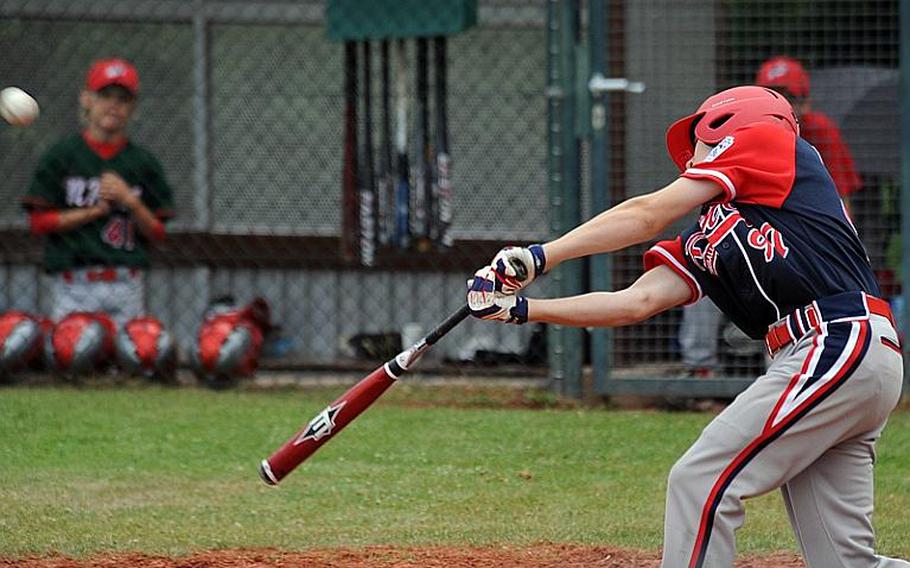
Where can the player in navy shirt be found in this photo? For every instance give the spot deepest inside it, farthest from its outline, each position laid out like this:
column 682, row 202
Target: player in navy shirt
column 774, row 248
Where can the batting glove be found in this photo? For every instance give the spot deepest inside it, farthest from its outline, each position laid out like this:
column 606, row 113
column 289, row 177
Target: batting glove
column 488, row 304
column 516, row 267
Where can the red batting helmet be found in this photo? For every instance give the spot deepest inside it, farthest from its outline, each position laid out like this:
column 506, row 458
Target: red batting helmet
column 721, row 114
column 229, row 342
column 80, row 342
column 143, row 346
column 784, row 73
column 21, row 337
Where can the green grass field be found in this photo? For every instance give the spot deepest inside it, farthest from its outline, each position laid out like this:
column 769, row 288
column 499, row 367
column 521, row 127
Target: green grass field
column 175, row 471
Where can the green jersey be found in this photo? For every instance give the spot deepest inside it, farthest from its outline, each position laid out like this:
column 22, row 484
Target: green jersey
column 68, row 176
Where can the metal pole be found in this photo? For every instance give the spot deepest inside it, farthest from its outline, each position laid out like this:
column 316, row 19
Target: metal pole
column 905, row 171
column 555, row 99
column 202, row 201
column 571, row 172
column 600, row 275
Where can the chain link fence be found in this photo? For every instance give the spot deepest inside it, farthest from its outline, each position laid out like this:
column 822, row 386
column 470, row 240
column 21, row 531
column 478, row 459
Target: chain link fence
column 244, row 104
column 850, row 110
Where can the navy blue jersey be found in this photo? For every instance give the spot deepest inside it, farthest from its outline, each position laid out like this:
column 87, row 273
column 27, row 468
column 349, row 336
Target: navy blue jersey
column 778, row 239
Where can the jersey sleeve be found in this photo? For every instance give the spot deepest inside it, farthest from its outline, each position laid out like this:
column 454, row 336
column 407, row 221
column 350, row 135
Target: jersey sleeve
column 820, row 131
column 46, row 190
column 160, row 197
column 670, row 254
column 756, row 164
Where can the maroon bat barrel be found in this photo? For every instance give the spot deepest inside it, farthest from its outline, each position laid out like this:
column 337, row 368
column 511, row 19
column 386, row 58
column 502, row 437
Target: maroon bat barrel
column 324, row 425
column 348, row 406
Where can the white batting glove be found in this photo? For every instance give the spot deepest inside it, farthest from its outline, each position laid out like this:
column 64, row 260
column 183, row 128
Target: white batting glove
column 488, row 304
column 516, row 267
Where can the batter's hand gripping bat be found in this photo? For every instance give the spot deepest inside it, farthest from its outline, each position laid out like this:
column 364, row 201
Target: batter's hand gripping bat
column 358, row 398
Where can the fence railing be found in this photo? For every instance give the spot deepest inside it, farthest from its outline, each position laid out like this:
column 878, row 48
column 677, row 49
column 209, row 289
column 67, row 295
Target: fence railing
column 243, row 103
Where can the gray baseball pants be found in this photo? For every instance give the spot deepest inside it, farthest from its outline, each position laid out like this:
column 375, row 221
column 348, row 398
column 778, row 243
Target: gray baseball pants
column 122, row 298
column 698, row 333
column 807, row 426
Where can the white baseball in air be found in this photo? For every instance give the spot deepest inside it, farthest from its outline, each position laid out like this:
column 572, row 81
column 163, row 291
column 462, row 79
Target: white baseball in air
column 18, row 107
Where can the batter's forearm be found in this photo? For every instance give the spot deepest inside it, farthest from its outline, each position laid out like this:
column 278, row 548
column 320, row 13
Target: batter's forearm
column 655, row 291
column 597, row 309
column 627, row 224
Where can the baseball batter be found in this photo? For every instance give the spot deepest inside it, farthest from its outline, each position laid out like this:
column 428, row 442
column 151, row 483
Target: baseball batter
column 100, row 198
column 774, row 248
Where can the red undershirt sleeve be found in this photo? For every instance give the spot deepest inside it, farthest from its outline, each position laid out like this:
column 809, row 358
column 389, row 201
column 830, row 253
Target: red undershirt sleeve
column 44, row 221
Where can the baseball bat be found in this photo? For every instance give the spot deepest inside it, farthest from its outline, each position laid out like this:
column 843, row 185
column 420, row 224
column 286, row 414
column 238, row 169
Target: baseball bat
column 403, row 188
column 442, row 181
column 333, row 418
column 420, row 201
column 349, row 182
column 367, row 201
column 325, row 425
column 386, row 181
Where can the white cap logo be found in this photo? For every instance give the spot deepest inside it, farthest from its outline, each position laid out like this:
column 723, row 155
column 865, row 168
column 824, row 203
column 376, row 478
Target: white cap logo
column 778, row 70
column 115, row 71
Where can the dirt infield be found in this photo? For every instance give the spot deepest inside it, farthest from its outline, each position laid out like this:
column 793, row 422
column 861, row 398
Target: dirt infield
column 540, row 556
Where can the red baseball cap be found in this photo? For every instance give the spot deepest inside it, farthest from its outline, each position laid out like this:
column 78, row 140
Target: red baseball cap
column 106, row 72
column 784, row 72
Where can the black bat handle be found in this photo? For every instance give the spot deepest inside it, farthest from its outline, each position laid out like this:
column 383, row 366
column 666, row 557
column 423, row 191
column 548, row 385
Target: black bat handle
column 446, row 326
column 521, row 273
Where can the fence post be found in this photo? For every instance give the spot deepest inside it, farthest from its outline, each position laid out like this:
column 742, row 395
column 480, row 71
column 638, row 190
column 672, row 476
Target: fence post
column 905, row 173
column 564, row 343
column 202, row 204
column 600, row 275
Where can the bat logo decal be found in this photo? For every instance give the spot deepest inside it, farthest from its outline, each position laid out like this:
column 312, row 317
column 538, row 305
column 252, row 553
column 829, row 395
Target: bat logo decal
column 322, row 425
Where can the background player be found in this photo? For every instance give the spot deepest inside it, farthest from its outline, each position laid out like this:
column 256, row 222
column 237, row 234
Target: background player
column 100, row 198
column 788, row 77
column 775, row 250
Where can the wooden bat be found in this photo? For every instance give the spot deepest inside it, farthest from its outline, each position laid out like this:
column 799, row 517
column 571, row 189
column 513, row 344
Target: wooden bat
column 442, row 183
column 368, row 199
column 421, row 200
column 403, row 188
column 386, row 181
column 349, row 203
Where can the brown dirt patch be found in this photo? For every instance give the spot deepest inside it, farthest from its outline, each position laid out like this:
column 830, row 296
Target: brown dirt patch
column 540, row 556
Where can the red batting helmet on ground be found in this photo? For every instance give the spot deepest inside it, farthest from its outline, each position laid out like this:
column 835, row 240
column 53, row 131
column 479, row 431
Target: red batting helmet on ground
column 229, row 342
column 80, row 343
column 721, row 114
column 784, row 73
column 21, row 341
column 143, row 346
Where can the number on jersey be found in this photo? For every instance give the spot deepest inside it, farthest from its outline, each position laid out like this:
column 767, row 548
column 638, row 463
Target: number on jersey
column 119, row 233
